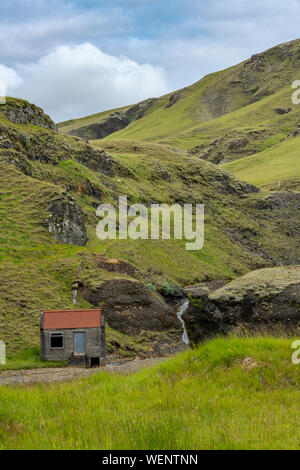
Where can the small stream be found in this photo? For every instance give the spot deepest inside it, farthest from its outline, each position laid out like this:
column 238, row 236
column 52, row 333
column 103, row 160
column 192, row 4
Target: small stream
column 180, row 312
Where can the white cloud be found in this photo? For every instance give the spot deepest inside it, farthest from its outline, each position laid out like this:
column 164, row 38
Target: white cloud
column 74, row 81
column 31, row 38
column 8, row 78
column 183, row 40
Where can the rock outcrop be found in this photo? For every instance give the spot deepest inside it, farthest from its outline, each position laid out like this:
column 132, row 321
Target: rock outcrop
column 97, row 160
column 280, row 200
column 115, row 121
column 174, row 97
column 283, row 110
column 266, row 300
column 131, row 307
column 25, row 146
column 66, row 221
column 23, row 112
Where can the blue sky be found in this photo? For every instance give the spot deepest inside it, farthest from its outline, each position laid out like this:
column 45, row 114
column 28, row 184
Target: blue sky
column 78, row 57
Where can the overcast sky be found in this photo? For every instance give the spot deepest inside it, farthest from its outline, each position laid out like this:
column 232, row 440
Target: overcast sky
column 77, row 57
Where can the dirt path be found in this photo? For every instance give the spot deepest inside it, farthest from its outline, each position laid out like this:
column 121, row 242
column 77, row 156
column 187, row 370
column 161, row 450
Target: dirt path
column 32, row 376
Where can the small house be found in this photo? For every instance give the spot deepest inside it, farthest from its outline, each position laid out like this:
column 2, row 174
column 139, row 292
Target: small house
column 77, row 336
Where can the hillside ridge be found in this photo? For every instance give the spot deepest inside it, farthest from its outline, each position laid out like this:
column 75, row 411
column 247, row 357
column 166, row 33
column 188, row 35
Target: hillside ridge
column 178, row 117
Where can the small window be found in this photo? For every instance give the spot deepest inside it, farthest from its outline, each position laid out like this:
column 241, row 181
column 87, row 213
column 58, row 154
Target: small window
column 57, row 340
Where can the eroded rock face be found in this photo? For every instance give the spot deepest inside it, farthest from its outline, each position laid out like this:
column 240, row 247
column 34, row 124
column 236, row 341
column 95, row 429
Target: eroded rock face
column 131, row 307
column 22, row 112
column 66, row 221
column 114, row 121
column 266, row 300
column 97, row 160
column 174, row 97
column 283, row 110
column 296, row 132
column 232, row 185
column 46, row 148
column 280, row 200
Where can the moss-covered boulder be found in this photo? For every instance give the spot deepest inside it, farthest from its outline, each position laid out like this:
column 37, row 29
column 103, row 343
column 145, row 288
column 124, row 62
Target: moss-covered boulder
column 266, row 300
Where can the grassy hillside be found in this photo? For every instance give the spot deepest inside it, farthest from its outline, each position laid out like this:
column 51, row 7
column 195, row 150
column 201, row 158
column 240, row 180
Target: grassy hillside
column 39, row 167
column 208, row 398
column 241, row 103
column 272, row 168
column 258, row 122
column 162, row 156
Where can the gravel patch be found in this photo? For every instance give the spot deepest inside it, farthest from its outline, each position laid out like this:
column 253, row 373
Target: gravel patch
column 62, row 374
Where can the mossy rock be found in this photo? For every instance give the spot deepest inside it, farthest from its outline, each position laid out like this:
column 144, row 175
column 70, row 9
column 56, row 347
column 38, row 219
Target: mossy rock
column 262, row 283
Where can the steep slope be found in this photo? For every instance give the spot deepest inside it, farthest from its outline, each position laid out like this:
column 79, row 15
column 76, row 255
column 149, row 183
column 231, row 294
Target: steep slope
column 275, row 168
column 275, row 214
column 51, row 185
column 248, row 107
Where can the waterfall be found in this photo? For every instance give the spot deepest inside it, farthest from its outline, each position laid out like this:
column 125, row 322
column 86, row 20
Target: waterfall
column 182, row 309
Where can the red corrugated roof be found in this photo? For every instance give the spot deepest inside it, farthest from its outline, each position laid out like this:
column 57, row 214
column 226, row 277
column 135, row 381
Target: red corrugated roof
column 62, row 319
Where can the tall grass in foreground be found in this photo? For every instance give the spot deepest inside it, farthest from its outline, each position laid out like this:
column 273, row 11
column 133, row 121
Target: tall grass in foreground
column 201, row 399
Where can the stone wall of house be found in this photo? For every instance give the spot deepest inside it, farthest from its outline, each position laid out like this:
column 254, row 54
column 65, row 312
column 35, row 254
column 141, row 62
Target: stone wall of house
column 94, row 344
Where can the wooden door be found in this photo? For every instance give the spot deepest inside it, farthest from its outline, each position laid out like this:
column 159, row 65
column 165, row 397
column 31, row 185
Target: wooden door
column 79, row 343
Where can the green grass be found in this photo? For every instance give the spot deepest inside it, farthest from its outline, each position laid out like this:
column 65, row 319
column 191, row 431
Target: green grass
column 273, row 166
column 201, row 399
column 28, row 359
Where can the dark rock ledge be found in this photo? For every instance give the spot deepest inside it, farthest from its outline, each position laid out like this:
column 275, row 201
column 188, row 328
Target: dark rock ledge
column 263, row 301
